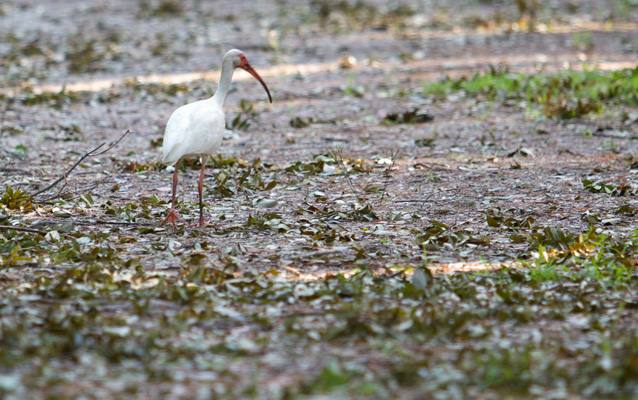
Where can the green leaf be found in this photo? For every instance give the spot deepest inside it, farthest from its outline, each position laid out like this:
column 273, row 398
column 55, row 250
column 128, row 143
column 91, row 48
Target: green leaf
column 87, row 199
column 271, row 185
column 492, row 222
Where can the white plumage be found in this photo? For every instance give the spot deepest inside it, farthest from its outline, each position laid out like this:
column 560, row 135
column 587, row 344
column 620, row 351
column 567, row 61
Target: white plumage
column 193, row 130
column 197, row 129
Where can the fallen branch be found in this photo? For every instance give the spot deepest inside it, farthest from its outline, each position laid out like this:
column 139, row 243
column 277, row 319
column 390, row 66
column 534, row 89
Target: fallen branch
column 21, row 229
column 100, row 221
column 303, row 314
column 87, row 154
column 94, row 222
column 7, row 169
column 291, row 269
column 55, row 196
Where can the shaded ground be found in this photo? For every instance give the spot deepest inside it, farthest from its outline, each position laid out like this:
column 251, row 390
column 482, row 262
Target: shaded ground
column 526, row 219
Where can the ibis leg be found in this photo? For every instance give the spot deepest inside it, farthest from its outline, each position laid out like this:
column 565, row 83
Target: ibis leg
column 200, row 188
column 172, row 215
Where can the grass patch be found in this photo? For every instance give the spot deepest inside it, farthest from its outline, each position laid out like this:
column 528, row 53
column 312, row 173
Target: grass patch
column 84, row 57
column 146, row 89
column 160, row 9
column 15, row 199
column 57, row 100
column 344, row 16
column 566, row 94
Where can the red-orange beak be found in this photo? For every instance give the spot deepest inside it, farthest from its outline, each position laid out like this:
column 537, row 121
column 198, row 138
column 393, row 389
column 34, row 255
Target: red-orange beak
column 248, row 68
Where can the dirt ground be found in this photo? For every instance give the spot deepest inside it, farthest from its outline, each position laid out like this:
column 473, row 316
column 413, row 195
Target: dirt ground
column 249, row 300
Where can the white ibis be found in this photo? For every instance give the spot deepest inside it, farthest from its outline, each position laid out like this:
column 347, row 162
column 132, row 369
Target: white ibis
column 197, row 129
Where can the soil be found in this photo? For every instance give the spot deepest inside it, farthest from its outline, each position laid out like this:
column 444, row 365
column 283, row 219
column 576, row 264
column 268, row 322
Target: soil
column 340, row 78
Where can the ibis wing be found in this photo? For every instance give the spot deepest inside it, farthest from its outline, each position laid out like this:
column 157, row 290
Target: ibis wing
column 175, row 135
column 193, row 129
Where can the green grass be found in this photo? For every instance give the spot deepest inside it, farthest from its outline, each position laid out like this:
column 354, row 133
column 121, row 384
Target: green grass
column 568, row 257
column 565, row 94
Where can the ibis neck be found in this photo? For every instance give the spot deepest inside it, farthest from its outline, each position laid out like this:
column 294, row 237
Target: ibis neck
column 224, row 82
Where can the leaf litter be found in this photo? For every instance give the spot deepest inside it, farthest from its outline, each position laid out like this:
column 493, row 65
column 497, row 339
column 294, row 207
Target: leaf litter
column 488, row 252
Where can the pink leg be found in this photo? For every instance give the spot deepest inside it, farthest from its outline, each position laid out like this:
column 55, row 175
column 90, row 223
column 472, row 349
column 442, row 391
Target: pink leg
column 200, row 188
column 172, row 215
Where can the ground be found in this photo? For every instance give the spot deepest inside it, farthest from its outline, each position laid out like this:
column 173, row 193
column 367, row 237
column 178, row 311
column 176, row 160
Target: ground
column 440, row 202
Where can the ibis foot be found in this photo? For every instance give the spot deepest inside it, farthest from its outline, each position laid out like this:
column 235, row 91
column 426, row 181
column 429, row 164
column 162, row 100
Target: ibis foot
column 172, row 217
column 199, row 224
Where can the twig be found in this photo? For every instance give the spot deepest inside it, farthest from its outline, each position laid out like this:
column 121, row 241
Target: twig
column 394, row 275
column 6, row 169
column 303, row 314
column 100, row 221
column 387, row 172
column 114, row 144
column 89, row 188
column 417, row 201
column 65, row 174
column 337, row 154
column 291, row 269
column 19, row 228
column 58, row 193
column 94, row 222
column 87, row 154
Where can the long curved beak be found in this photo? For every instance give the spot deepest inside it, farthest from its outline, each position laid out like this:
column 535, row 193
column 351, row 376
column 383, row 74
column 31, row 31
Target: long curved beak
column 248, row 68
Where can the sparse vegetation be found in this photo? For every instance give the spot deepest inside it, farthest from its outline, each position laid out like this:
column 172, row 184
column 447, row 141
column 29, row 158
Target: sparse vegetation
column 16, row 199
column 57, row 100
column 345, row 16
column 408, row 117
column 567, row 94
column 160, row 9
column 83, row 57
column 371, row 235
column 145, row 89
column 244, row 117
